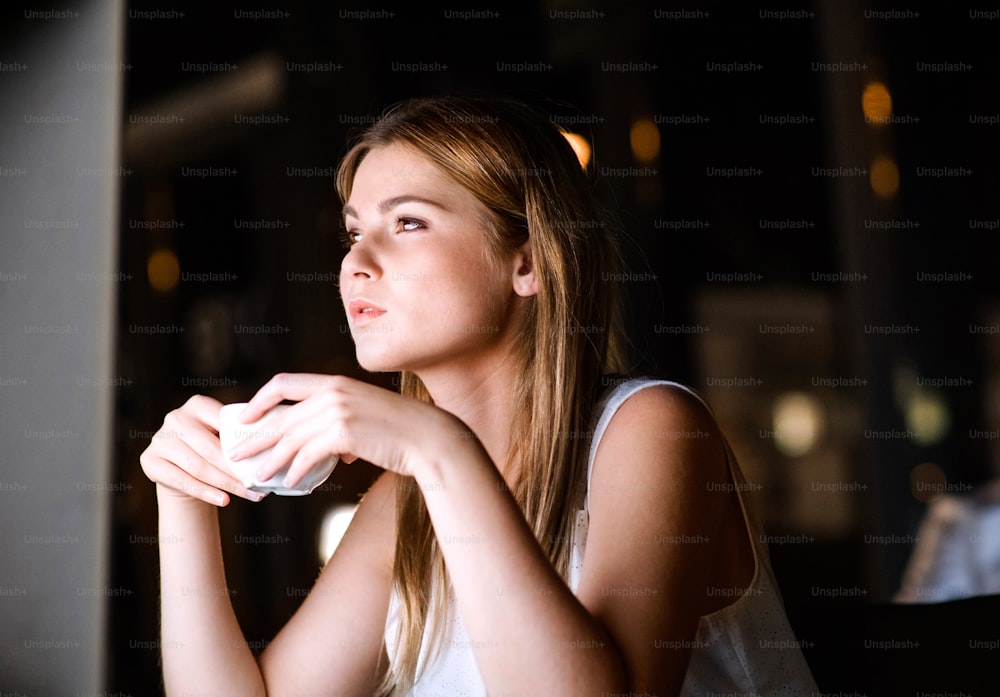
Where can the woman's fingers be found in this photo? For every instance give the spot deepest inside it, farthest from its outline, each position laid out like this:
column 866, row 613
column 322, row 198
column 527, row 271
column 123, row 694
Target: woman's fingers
column 185, row 456
column 169, row 471
column 312, row 452
column 303, row 428
column 256, row 437
column 304, row 434
column 168, row 475
column 203, row 409
column 294, row 387
column 186, row 471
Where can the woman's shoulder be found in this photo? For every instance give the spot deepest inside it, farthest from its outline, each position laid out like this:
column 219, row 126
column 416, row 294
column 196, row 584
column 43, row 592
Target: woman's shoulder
column 656, row 432
column 655, row 408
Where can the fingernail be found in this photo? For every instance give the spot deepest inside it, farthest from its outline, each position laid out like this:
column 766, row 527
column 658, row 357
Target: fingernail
column 234, row 454
column 256, row 495
column 287, row 482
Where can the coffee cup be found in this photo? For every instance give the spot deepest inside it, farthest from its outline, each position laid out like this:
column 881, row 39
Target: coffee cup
column 232, row 432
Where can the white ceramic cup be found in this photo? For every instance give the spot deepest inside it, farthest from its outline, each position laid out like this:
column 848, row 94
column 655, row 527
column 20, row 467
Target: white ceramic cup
column 232, row 432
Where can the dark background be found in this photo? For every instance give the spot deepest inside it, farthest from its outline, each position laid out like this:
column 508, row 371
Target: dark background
column 843, row 515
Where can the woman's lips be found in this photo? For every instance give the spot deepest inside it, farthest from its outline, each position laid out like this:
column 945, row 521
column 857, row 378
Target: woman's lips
column 363, row 311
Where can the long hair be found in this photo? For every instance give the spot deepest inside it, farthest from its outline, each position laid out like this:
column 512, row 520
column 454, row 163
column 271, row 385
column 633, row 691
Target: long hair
column 523, row 170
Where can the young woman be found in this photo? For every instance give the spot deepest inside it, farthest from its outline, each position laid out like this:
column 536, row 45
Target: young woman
column 542, row 527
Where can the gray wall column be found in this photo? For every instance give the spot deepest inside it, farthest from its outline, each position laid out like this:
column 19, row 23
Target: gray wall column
column 60, row 122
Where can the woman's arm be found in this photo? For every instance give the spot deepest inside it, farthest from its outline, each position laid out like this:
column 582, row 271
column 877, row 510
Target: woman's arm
column 203, row 647
column 667, row 540
column 637, row 593
column 529, row 633
column 334, row 644
column 331, row 646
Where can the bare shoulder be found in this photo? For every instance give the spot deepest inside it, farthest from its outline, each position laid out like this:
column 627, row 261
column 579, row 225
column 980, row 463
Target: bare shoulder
column 667, row 404
column 661, row 425
column 662, row 459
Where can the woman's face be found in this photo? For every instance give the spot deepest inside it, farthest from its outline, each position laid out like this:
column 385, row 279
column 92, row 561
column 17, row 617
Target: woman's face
column 420, row 285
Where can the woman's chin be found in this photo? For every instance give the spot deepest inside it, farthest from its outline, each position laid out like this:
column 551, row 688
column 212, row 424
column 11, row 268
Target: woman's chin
column 378, row 363
column 378, row 366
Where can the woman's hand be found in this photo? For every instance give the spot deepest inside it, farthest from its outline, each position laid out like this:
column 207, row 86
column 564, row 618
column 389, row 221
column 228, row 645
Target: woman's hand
column 349, row 419
column 185, row 459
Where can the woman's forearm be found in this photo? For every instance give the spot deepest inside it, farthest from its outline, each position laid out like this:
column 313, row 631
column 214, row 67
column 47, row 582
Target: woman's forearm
column 204, row 650
column 529, row 633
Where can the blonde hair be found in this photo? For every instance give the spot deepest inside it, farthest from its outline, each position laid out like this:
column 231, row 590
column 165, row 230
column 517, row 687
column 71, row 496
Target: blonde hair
column 519, row 165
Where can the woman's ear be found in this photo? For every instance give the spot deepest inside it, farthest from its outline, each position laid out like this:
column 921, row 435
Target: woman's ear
column 524, row 280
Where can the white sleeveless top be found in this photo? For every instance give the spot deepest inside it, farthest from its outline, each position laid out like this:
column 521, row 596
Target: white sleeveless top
column 745, row 648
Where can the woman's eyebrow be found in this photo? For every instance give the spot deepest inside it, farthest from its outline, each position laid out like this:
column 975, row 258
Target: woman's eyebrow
column 390, row 203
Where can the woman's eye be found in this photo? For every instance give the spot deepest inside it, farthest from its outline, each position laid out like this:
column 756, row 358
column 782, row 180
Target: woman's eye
column 409, row 224
column 350, row 237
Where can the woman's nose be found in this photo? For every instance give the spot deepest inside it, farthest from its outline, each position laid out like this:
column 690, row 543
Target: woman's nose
column 361, row 262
